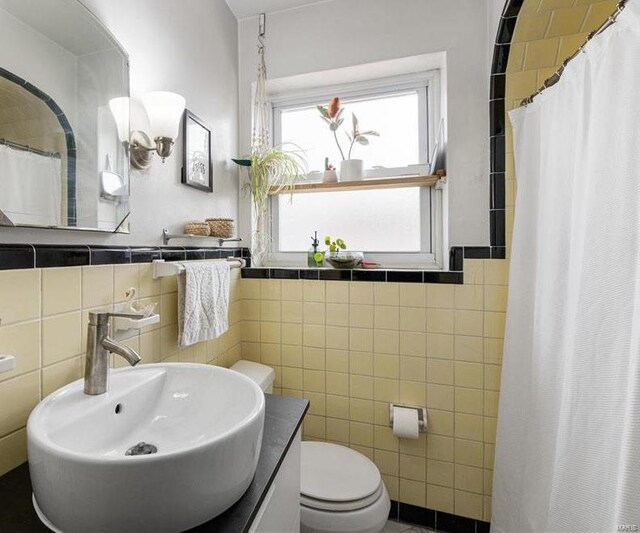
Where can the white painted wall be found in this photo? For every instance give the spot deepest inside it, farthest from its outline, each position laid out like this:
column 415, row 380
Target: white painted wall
column 343, row 33
column 189, row 47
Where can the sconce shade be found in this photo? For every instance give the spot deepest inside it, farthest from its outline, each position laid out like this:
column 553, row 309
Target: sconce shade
column 165, row 111
column 120, row 111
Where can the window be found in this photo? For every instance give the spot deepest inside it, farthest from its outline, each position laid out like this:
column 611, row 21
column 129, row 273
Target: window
column 395, row 226
column 397, row 116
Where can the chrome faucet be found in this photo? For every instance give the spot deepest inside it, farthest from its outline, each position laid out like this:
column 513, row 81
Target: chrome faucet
column 99, row 344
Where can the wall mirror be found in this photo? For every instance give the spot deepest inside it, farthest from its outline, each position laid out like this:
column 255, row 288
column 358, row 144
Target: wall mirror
column 62, row 164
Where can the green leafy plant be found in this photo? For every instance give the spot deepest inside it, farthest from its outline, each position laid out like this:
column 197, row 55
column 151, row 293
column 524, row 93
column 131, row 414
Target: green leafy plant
column 276, row 169
column 335, row 246
column 332, row 115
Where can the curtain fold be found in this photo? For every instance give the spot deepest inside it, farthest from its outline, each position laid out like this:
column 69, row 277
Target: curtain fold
column 30, row 187
column 568, row 445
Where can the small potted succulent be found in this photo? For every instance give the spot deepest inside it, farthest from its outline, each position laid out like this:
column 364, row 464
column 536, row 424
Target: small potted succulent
column 350, row 169
column 329, row 175
column 339, row 256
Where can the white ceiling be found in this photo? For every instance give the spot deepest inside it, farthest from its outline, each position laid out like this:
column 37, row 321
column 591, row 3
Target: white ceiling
column 250, row 8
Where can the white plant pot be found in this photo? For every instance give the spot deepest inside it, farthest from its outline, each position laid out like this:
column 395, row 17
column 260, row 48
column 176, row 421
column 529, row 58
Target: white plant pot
column 351, row 170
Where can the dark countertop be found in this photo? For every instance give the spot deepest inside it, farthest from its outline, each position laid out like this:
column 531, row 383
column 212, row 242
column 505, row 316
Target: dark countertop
column 283, row 417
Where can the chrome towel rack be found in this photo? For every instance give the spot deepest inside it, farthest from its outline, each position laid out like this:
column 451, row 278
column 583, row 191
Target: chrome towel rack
column 163, row 269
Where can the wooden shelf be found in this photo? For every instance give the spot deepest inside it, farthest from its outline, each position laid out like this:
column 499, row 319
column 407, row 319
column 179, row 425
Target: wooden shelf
column 363, row 185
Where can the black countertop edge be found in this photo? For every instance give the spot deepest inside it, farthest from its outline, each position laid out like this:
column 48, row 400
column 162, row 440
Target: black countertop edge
column 283, row 417
column 356, row 274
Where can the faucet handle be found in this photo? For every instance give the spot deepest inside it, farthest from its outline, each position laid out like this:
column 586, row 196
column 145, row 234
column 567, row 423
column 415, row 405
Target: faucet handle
column 100, row 319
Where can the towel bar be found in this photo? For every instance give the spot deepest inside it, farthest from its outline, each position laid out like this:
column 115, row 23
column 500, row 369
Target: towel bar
column 162, row 269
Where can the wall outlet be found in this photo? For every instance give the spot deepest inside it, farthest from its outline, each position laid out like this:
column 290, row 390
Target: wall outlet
column 7, row 363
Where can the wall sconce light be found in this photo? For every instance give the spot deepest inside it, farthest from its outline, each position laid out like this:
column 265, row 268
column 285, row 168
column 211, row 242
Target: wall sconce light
column 164, row 110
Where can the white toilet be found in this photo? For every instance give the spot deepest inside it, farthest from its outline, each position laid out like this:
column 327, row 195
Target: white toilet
column 341, row 490
column 263, row 375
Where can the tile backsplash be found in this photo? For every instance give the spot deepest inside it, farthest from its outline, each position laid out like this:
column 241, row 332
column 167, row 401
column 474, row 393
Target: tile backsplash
column 351, row 348
column 43, row 315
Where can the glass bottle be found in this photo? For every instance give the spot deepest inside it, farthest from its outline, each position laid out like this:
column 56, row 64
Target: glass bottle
column 311, row 254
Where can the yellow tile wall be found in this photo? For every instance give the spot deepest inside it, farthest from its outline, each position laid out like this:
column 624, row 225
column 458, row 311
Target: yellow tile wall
column 547, row 32
column 352, row 348
column 43, row 315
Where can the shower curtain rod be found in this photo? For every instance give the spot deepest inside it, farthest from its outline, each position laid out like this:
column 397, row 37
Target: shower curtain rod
column 549, row 82
column 27, row 148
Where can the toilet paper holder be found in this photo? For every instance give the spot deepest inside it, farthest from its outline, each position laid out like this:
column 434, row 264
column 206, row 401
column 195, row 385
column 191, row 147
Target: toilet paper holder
column 422, row 415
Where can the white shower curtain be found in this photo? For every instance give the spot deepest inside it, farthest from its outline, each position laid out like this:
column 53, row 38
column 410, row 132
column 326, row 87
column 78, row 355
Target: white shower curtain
column 568, row 447
column 30, row 187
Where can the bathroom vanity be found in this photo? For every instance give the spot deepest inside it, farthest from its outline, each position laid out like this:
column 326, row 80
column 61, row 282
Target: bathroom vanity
column 270, row 504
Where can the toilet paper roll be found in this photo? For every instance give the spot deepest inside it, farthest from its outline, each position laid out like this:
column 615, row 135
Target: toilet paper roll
column 405, row 423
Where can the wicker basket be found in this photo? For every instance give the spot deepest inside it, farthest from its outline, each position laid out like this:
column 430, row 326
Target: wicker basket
column 221, row 227
column 197, row 228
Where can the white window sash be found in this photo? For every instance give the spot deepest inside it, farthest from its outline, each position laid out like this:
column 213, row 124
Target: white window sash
column 433, row 207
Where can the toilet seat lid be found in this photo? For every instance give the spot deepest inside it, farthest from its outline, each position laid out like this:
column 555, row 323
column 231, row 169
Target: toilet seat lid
column 335, row 473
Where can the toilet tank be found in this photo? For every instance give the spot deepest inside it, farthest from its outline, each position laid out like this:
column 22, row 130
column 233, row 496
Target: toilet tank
column 263, row 375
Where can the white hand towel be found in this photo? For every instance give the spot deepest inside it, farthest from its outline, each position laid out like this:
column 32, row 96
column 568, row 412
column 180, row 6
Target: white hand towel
column 203, row 301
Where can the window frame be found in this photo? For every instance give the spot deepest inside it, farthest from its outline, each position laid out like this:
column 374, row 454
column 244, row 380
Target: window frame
column 428, row 84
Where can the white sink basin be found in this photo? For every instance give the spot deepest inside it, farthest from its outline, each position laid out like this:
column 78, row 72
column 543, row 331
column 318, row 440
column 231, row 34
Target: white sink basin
column 205, row 421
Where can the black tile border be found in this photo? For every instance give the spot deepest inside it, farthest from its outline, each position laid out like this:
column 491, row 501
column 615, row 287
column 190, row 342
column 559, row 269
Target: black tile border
column 49, row 255
column 435, row 520
column 145, row 255
column 24, row 256
column 497, row 124
column 104, row 255
column 416, row 515
column 356, row 275
column 17, row 256
column 334, row 275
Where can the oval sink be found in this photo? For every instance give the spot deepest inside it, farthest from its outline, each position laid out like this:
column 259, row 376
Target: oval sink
column 168, row 447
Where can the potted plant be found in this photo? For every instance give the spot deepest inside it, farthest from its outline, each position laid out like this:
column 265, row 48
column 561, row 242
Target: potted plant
column 350, row 169
column 339, row 257
column 274, row 170
column 329, row 175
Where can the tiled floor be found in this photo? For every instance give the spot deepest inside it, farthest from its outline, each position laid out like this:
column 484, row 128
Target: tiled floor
column 399, row 527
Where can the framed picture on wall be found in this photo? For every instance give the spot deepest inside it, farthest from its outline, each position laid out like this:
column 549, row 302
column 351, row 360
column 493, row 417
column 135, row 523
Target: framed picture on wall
column 197, row 170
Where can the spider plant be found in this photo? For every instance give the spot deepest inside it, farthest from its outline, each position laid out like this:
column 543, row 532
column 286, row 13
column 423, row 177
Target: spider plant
column 276, row 169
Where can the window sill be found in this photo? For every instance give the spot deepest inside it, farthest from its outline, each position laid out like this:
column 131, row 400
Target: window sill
column 356, row 274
